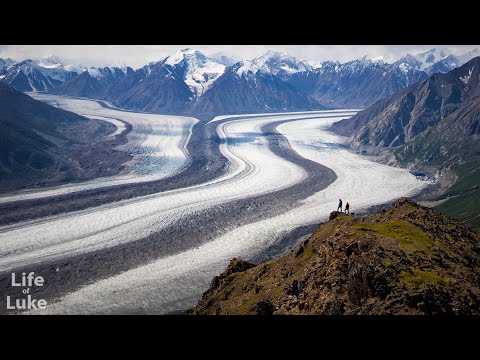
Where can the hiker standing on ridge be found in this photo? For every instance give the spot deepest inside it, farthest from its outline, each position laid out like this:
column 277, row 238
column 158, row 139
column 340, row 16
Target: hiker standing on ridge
column 347, row 208
column 340, row 205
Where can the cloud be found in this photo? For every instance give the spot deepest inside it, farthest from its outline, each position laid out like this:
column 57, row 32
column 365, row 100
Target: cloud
column 139, row 55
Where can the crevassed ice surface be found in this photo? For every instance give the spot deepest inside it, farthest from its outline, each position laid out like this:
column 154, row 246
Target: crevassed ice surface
column 255, row 170
column 176, row 282
column 157, row 142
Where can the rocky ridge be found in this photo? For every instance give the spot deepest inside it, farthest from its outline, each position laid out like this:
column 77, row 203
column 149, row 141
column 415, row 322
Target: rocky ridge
column 406, row 259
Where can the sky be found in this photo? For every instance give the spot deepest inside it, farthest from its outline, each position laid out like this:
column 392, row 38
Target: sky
column 139, row 55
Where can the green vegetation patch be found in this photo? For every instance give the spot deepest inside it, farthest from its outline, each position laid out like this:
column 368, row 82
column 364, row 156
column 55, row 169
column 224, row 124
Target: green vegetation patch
column 407, row 235
column 248, row 306
column 465, row 203
column 465, row 207
column 419, row 278
column 308, row 254
column 469, row 176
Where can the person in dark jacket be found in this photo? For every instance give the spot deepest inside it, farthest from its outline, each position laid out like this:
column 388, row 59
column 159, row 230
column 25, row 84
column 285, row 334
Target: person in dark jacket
column 347, row 208
column 340, row 204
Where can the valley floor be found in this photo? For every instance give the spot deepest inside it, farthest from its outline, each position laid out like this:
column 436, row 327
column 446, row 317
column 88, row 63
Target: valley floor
column 157, row 253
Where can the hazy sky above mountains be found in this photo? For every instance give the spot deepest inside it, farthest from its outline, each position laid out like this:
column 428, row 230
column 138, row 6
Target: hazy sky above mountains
column 139, row 55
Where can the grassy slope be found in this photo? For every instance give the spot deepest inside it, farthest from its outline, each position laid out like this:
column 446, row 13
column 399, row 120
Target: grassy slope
column 465, row 202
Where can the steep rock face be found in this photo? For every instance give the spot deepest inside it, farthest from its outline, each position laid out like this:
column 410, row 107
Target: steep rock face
column 404, row 260
column 252, row 90
column 428, row 120
column 30, row 79
column 5, row 64
column 356, row 84
column 160, row 91
column 84, row 85
column 93, row 83
column 30, row 75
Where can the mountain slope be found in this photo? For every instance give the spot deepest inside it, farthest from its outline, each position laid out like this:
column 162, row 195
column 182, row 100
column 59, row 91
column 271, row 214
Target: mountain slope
column 40, row 144
column 155, row 89
column 362, row 82
column 278, row 64
column 186, row 82
column 167, row 86
column 442, row 110
column 93, row 83
column 244, row 88
column 433, row 126
column 355, row 84
column 30, row 75
column 5, row 64
column 197, row 71
column 405, row 260
column 190, row 83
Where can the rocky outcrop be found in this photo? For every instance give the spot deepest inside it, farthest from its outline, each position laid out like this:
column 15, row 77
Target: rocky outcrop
column 404, row 260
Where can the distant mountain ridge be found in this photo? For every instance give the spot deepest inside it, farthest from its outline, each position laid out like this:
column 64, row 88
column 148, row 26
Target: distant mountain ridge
column 36, row 75
column 355, row 84
column 422, row 110
column 92, row 82
column 188, row 82
column 244, row 87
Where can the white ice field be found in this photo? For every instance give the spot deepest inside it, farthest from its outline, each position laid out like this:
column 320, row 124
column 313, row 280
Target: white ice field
column 177, row 281
column 157, row 142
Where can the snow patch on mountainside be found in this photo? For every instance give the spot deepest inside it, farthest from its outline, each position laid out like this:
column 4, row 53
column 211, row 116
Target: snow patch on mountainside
column 465, row 79
column 275, row 63
column 199, row 72
column 100, row 73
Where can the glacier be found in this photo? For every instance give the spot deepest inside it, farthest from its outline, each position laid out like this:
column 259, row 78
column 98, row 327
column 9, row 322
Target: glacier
column 174, row 283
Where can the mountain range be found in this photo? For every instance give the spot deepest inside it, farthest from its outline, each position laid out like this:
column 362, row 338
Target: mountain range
column 188, row 82
column 433, row 126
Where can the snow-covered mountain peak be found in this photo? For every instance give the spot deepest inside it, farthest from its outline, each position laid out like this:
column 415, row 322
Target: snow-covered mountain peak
column 432, row 56
column 107, row 71
column 6, row 63
column 434, row 60
column 273, row 62
column 314, row 64
column 424, row 60
column 357, row 66
column 198, row 71
column 277, row 62
column 247, row 67
column 50, row 61
column 183, row 54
